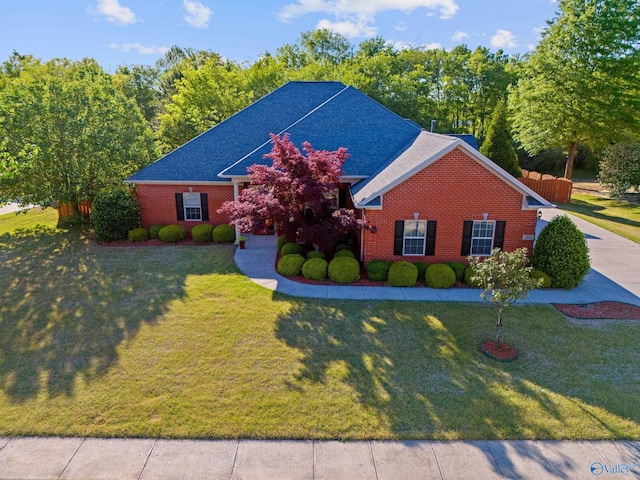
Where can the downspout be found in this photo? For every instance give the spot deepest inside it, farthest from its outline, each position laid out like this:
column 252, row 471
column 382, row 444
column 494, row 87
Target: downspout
column 364, row 219
column 236, row 194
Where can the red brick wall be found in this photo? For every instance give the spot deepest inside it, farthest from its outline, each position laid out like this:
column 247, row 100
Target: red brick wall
column 451, row 190
column 158, row 203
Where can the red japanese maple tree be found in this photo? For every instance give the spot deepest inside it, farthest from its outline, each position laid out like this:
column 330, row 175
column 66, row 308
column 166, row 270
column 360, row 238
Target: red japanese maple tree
column 293, row 193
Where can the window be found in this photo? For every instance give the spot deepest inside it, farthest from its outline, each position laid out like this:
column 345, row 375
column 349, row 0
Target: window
column 479, row 237
column 414, row 237
column 482, row 238
column 192, row 206
column 333, row 197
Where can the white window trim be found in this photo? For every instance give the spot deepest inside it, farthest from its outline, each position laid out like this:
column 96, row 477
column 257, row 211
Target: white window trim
column 186, row 205
column 473, row 237
column 405, row 238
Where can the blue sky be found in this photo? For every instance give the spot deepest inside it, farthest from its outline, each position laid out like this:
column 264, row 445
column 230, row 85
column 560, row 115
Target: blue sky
column 119, row 32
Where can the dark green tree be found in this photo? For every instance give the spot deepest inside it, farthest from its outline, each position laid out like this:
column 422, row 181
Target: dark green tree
column 562, row 253
column 67, row 132
column 498, row 146
column 581, row 84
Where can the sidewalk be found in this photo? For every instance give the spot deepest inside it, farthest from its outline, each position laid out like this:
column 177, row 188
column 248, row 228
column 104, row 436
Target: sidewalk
column 77, row 458
column 613, row 276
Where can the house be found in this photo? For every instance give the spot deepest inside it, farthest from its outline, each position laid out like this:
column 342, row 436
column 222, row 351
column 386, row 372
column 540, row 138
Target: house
column 432, row 197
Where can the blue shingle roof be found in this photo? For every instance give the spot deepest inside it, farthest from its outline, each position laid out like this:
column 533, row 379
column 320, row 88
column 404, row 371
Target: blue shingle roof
column 204, row 157
column 328, row 115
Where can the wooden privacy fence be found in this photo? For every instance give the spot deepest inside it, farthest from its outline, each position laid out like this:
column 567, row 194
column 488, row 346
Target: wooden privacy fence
column 66, row 209
column 553, row 189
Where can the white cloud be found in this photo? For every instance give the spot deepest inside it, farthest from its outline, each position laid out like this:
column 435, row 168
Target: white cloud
column 366, row 8
column 197, row 15
column 459, row 36
column 115, row 13
column 348, row 29
column 141, row 49
column 503, row 39
column 355, row 17
column 400, row 26
column 400, row 45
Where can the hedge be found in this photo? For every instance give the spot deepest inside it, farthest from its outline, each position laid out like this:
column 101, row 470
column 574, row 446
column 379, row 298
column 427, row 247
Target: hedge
column 291, row 265
column 224, row 234
column 440, row 275
column 403, row 274
column 344, row 270
column 315, row 269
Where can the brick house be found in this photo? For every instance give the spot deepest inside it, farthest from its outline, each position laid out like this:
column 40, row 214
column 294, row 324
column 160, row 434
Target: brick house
column 432, row 197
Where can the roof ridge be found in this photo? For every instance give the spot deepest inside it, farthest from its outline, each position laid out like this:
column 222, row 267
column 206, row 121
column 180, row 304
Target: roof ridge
column 285, row 129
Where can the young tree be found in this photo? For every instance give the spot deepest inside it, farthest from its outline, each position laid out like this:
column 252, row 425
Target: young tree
column 67, row 133
column 293, row 193
column 498, row 146
column 620, row 168
column 505, row 278
column 581, row 84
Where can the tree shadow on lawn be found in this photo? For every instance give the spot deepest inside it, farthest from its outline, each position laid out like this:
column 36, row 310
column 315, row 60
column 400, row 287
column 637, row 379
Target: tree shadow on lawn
column 417, row 365
column 67, row 304
column 590, row 210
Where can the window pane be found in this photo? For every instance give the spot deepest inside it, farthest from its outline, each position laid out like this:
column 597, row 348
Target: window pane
column 192, row 213
column 414, row 228
column 414, row 246
column 191, row 199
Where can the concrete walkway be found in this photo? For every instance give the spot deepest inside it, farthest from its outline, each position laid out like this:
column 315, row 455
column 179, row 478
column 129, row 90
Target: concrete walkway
column 78, row 458
column 615, row 263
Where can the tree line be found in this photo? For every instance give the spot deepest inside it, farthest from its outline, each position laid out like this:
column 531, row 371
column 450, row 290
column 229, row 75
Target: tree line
column 68, row 128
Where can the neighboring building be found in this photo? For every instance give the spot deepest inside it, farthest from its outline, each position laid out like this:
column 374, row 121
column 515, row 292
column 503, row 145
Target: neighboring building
column 432, row 197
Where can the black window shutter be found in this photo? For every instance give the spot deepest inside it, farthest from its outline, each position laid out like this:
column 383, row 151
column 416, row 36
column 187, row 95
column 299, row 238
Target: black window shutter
column 179, row 206
column 467, row 231
column 398, row 239
column 498, row 239
column 342, row 198
column 204, row 204
column 431, row 238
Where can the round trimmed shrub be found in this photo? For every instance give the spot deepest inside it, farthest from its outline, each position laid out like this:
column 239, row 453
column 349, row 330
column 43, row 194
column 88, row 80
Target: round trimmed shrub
column 315, row 254
column 546, row 279
column 440, row 275
column 468, row 275
column 342, row 246
column 378, row 270
column 344, row 270
column 282, row 239
column 115, row 211
column 315, row 269
column 562, row 253
column 422, row 269
column 403, row 274
column 224, row 233
column 138, row 235
column 202, row 233
column 291, row 248
column 154, row 231
column 291, row 265
column 458, row 268
column 344, row 253
column 172, row 233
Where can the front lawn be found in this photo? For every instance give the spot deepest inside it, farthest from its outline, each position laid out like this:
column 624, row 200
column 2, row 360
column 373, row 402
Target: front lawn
column 172, row 341
column 617, row 216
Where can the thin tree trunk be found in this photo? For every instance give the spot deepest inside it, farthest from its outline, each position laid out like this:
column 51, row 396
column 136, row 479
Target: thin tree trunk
column 499, row 326
column 568, row 169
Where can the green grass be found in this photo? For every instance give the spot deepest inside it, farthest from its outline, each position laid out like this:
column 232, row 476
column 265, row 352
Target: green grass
column 618, row 216
column 172, row 341
column 10, row 222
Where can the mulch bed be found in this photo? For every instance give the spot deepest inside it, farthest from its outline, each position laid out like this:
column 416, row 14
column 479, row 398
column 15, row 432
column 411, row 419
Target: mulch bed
column 500, row 351
column 601, row 310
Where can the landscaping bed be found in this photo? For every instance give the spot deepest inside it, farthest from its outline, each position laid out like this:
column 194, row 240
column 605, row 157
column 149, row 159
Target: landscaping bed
column 601, row 310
